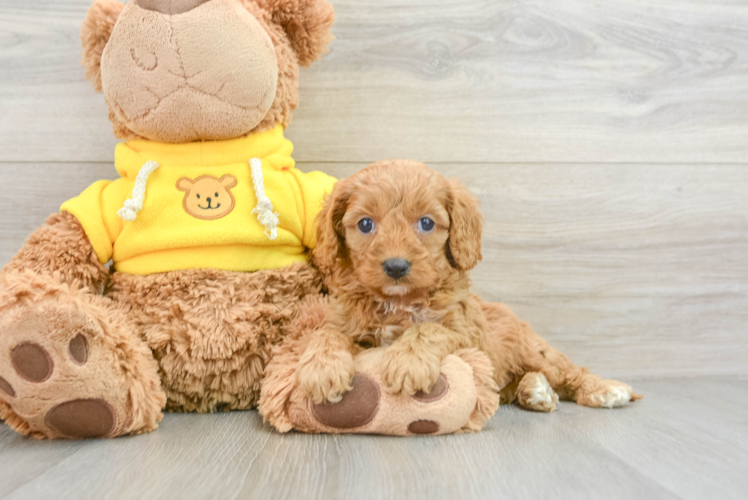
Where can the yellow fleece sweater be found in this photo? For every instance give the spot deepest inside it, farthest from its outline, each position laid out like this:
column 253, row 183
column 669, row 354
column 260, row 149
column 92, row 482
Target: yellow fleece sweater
column 197, row 206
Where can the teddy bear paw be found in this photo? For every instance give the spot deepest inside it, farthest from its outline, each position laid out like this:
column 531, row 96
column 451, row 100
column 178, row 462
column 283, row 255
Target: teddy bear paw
column 445, row 408
column 360, row 405
column 57, row 379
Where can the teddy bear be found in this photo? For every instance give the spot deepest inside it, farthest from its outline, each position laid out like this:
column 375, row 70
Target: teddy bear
column 207, row 226
column 170, row 287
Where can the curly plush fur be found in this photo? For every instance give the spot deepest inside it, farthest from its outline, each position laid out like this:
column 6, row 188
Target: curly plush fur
column 429, row 312
column 213, row 331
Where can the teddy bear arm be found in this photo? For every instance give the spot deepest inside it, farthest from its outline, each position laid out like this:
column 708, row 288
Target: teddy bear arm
column 61, row 246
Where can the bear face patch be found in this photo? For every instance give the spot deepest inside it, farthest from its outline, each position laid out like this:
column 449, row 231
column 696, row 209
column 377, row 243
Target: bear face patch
column 208, row 197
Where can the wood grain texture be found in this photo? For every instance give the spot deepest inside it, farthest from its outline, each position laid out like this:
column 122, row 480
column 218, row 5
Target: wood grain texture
column 629, row 269
column 444, row 81
column 686, row 439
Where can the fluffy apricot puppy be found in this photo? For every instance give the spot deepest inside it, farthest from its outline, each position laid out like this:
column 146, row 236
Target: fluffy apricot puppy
column 397, row 241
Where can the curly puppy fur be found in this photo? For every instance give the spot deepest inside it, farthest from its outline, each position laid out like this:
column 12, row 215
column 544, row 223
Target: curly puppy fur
column 428, row 312
column 281, row 407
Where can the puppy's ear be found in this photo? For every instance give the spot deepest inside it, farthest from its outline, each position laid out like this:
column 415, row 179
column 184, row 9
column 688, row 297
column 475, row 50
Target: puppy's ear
column 466, row 228
column 307, row 24
column 330, row 231
column 95, row 33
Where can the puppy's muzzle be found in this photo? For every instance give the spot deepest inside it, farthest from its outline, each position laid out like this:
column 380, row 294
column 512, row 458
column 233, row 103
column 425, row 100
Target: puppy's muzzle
column 396, row 268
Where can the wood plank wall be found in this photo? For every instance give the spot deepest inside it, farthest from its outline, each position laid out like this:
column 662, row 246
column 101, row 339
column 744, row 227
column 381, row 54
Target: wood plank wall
column 607, row 141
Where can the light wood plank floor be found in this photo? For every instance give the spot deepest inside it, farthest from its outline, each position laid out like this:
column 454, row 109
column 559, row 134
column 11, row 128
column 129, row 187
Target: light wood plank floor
column 607, row 143
column 687, row 439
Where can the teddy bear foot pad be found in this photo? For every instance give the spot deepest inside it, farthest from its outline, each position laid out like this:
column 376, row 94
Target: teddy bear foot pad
column 74, row 418
column 58, row 379
column 359, row 406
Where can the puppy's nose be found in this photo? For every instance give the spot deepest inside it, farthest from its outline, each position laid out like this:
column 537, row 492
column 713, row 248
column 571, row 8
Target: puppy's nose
column 171, row 7
column 396, row 268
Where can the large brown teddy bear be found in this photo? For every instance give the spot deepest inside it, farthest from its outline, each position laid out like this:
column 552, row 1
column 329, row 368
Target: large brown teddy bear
column 208, row 226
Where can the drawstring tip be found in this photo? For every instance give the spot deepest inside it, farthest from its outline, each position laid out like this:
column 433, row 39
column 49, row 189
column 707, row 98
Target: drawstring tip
column 127, row 214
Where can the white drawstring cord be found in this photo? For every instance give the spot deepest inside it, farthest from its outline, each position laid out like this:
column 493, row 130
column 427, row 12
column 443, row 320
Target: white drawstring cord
column 132, row 206
column 264, row 208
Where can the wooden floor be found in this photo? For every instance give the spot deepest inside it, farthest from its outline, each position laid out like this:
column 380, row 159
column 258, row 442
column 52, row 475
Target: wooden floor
column 608, row 143
column 686, row 439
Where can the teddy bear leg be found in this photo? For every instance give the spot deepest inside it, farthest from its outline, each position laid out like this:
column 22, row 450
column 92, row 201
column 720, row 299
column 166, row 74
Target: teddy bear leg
column 464, row 397
column 71, row 364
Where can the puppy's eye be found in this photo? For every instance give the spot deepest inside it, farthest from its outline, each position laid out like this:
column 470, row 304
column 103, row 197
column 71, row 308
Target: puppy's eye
column 366, row 225
column 426, row 225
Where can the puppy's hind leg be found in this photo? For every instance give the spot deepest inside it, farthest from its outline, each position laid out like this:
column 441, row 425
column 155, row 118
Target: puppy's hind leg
column 577, row 384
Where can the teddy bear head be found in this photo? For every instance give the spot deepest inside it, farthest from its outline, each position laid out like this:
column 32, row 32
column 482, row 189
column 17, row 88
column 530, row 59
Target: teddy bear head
column 186, row 70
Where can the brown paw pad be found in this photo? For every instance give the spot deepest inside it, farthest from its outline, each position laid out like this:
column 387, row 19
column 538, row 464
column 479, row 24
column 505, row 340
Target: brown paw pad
column 423, row 427
column 79, row 349
column 7, row 388
column 438, row 391
column 82, row 418
column 357, row 408
column 32, row 362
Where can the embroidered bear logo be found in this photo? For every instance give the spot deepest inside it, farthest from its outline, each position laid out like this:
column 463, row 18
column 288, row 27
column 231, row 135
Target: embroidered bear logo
column 207, row 197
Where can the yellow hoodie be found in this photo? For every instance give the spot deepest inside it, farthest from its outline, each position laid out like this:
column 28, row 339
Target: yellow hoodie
column 236, row 205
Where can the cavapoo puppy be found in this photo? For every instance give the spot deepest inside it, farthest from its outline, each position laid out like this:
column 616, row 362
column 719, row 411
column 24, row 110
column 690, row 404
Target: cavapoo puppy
column 397, row 241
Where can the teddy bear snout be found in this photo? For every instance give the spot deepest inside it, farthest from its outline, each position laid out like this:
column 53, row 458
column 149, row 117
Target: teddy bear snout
column 170, row 7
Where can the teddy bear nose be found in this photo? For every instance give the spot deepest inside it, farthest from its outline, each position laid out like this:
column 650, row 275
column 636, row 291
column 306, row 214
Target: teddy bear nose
column 171, row 7
column 396, row 268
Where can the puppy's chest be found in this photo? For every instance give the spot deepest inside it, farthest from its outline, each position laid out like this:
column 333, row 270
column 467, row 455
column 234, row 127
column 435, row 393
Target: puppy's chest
column 390, row 322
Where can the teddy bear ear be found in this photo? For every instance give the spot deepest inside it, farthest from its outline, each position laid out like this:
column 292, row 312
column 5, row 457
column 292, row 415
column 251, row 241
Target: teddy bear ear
column 307, row 24
column 185, row 184
column 228, row 181
column 95, row 33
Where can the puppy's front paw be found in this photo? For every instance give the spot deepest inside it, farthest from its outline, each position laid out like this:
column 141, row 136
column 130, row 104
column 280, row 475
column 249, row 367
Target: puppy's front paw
column 535, row 393
column 408, row 369
column 325, row 376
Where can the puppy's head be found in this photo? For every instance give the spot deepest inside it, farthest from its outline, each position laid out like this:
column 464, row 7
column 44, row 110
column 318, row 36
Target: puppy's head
column 398, row 228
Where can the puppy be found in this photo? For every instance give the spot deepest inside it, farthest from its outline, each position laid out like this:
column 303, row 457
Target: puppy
column 396, row 242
